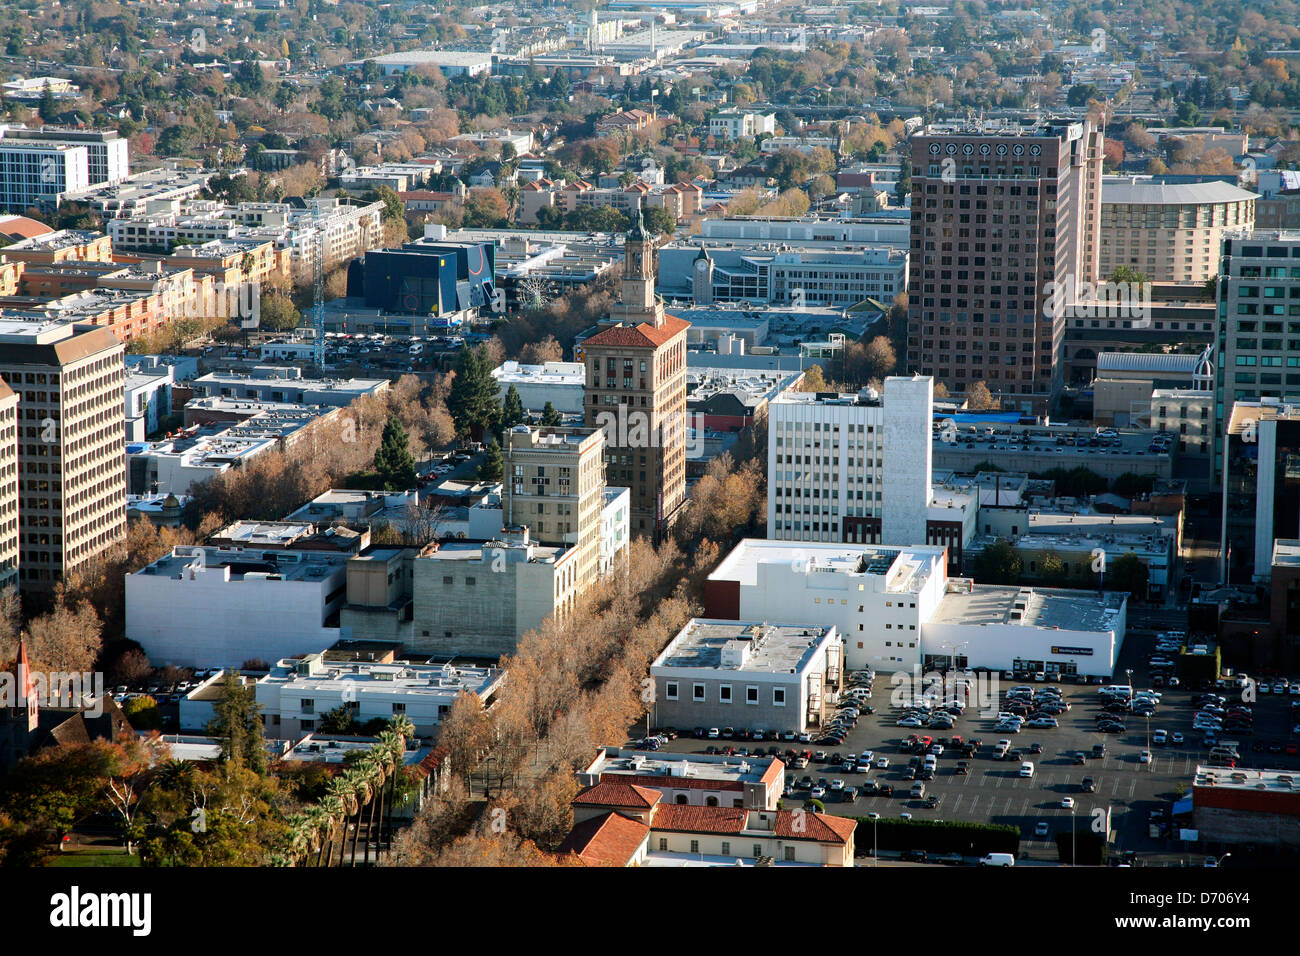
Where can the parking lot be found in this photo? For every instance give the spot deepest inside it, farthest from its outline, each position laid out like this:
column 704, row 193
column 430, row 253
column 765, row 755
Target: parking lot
column 994, row 792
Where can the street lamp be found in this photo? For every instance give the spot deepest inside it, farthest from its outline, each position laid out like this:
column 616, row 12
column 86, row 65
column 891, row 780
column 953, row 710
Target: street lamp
column 1072, row 837
column 875, row 843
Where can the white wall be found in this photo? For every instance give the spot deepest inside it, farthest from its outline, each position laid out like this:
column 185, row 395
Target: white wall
column 997, row 645
column 208, row 621
column 908, row 463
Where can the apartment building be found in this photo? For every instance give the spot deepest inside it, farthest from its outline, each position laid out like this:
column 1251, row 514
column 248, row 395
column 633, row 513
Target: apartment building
column 1169, row 232
column 741, row 124
column 1000, row 212
column 72, row 477
column 636, row 391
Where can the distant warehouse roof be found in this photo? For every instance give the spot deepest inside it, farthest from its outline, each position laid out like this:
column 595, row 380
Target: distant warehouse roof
column 1133, row 191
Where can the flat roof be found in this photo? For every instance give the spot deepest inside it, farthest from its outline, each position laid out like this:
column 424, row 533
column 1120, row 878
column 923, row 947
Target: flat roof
column 399, row 677
column 286, row 565
column 906, row 569
column 1042, row 607
column 757, row 647
column 1139, row 192
column 715, row 767
column 1221, row 778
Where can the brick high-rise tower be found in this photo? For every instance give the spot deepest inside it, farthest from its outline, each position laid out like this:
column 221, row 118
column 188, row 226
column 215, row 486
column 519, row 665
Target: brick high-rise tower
column 999, row 213
column 636, row 391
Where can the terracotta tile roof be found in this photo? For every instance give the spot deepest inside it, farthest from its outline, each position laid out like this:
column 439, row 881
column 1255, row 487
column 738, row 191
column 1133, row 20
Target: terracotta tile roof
column 654, row 781
column 611, row 840
column 821, row 827
column 643, row 335
column 612, row 794
column 21, row 227
column 682, row 818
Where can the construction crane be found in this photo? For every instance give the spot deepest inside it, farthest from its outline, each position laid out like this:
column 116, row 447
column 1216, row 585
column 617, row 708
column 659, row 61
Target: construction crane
column 318, row 289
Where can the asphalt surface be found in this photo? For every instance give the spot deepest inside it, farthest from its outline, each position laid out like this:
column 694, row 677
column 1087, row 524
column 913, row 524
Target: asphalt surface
column 994, row 791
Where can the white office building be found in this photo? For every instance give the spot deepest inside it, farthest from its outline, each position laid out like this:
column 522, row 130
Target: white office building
column 40, row 173
column 218, row 607
column 297, row 692
column 562, row 384
column 897, row 609
column 851, row 467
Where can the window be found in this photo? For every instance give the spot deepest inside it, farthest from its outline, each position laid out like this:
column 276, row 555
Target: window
column 695, row 846
column 697, row 692
column 751, row 694
column 778, row 695
column 758, row 850
column 724, row 693
column 663, row 844
column 789, row 854
column 670, row 690
column 726, row 848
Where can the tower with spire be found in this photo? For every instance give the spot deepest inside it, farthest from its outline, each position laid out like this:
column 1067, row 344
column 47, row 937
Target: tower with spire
column 637, row 300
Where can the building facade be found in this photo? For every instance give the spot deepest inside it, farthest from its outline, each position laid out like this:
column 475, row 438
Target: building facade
column 999, row 213
column 636, row 392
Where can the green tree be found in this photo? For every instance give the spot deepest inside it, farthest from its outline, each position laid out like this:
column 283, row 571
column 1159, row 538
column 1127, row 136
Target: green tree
column 512, row 410
column 814, row 380
column 551, row 416
column 493, row 465
column 472, row 400
column 659, row 221
column 238, row 725
column 1128, row 573
column 393, row 459
column 999, row 563
column 1051, row 571
column 337, row 721
column 394, row 208
column 1128, row 274
column 277, row 311
column 143, row 713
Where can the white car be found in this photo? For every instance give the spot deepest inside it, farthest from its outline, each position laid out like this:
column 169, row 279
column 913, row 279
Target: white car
column 713, row 733
column 1144, row 757
column 866, row 756
column 1279, row 687
column 873, row 815
column 805, row 738
column 882, row 763
column 818, row 792
column 837, row 784
column 908, row 722
column 1067, row 803
column 904, row 816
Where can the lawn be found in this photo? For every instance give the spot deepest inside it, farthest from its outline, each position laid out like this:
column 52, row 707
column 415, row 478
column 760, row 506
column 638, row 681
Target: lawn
column 95, row 856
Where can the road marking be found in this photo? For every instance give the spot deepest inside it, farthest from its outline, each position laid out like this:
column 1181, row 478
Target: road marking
column 1132, row 789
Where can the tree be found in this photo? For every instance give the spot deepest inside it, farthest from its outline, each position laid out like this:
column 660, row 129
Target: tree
column 67, row 638
column 512, row 410
column 493, row 464
column 551, row 416
column 1128, row 573
column 486, row 208
column 277, row 311
column 143, row 713
column 473, row 397
column 999, row 563
column 337, row 721
column 393, row 460
column 813, row 380
column 1128, row 274
column 237, row 723
column 659, row 221
column 1051, row 570
column 979, row 398
column 1081, row 93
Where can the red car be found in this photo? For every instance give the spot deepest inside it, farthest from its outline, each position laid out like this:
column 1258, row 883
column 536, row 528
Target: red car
column 1292, row 749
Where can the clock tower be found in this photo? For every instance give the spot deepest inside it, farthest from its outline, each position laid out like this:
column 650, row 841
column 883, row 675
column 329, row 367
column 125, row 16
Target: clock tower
column 638, row 301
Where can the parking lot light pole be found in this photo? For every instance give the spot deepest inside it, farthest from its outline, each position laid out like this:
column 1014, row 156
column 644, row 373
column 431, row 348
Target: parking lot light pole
column 875, row 843
column 1072, row 838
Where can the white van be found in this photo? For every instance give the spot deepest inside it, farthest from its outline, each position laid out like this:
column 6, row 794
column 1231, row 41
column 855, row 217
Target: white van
column 1026, row 769
column 998, row 859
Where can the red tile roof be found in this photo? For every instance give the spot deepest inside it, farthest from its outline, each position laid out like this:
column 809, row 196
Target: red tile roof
column 683, row 818
column 21, row 227
column 643, row 335
column 611, row 840
column 822, row 827
column 612, row 794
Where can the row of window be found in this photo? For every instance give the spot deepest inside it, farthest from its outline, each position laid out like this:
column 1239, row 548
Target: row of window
column 699, row 693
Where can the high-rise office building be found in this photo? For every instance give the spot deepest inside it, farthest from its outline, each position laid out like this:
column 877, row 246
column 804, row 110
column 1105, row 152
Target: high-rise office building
column 1259, row 318
column 71, row 460
column 554, row 483
column 636, row 391
column 1000, row 212
column 8, row 486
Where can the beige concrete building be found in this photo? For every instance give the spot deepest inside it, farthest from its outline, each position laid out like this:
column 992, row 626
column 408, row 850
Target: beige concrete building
column 1169, row 233
column 554, row 485
column 8, row 486
column 71, row 460
column 636, row 391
